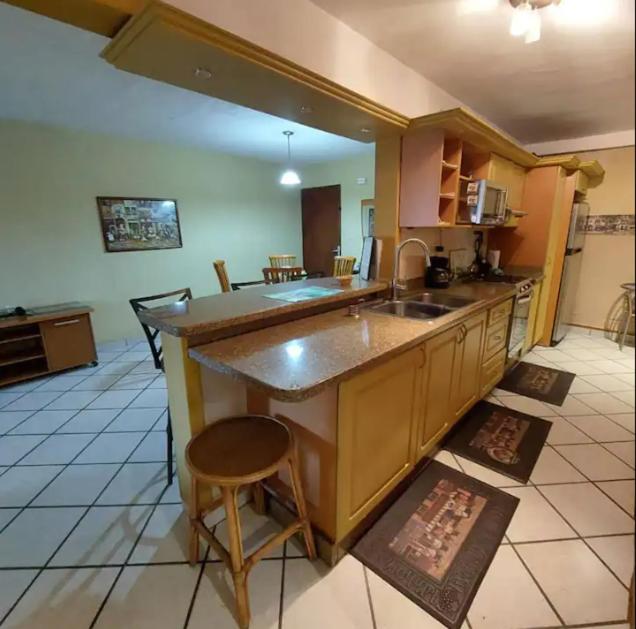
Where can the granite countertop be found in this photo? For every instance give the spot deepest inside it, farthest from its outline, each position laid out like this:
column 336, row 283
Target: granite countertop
column 226, row 310
column 296, row 360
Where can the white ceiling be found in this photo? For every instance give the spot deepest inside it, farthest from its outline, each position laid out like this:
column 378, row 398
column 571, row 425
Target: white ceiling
column 576, row 81
column 51, row 73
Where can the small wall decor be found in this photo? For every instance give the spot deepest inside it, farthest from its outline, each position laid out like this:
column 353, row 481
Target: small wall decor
column 610, row 224
column 136, row 224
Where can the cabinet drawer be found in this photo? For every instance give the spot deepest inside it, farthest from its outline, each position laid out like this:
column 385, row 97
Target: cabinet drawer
column 500, row 312
column 495, row 338
column 68, row 342
column 492, row 372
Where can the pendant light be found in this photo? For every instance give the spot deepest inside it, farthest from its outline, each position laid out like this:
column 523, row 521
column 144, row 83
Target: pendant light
column 290, row 176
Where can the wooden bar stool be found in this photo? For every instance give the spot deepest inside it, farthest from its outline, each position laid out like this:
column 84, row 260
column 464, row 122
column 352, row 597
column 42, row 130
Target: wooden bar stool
column 229, row 454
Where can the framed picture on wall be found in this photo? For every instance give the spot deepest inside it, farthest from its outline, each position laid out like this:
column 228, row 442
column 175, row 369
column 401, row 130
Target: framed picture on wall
column 136, row 224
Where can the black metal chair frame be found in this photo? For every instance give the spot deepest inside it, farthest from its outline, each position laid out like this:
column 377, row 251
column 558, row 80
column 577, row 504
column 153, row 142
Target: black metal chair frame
column 152, row 335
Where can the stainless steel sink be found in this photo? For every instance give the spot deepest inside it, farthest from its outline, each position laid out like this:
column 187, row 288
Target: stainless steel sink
column 450, row 301
column 413, row 309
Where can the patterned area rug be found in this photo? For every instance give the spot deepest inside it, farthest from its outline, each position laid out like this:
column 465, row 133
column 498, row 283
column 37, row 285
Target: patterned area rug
column 541, row 383
column 500, row 438
column 435, row 543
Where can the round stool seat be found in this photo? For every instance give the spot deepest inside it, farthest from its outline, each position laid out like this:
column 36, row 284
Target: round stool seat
column 238, row 450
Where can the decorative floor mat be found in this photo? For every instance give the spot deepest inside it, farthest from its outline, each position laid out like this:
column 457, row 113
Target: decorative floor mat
column 541, row 383
column 500, row 438
column 435, row 543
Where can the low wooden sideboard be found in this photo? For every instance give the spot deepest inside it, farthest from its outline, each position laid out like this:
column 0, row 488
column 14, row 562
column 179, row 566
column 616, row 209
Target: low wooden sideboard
column 45, row 340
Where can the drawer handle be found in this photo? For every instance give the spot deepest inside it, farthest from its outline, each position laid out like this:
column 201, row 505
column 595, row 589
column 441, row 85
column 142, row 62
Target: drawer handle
column 59, row 324
column 497, row 338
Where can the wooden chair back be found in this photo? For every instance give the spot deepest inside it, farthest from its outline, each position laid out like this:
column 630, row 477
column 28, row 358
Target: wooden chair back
column 343, row 265
column 221, row 273
column 276, row 275
column 152, row 334
column 284, row 260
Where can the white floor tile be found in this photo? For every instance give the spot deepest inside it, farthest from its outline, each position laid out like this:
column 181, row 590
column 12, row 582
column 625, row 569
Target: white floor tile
column 522, row 606
column 114, row 399
column 618, row 553
column 572, row 405
column 627, row 364
column 392, row 609
column 158, row 383
column 13, row 448
column 146, row 366
column 89, row 421
column 152, row 448
column 62, row 598
column 588, row 510
column 627, row 378
column 626, row 420
column 580, row 368
column 6, row 515
column 76, row 485
column 214, row 605
column 553, row 468
column 113, row 447
column 12, row 584
column 19, row 485
column 134, row 356
column 528, row 405
column 136, row 483
column 486, row 475
column 557, row 356
column 105, row 536
column 563, row 431
column 606, row 382
column 10, row 419
column 622, row 491
column 57, row 449
column 595, row 462
column 112, row 346
column 603, row 403
column 151, row 398
column 624, row 451
column 32, row 401
column 535, row 519
column 628, row 397
column 43, row 423
column 600, row 428
column 447, row 458
column 165, row 537
column 581, row 588
column 98, row 382
column 316, row 597
column 149, row 597
column 118, row 368
column 580, row 385
column 34, row 535
column 105, row 357
column 60, row 383
column 134, row 381
column 609, row 366
column 73, row 400
column 142, row 419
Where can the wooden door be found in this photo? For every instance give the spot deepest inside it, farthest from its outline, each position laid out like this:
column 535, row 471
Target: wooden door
column 68, row 342
column 321, row 227
column 377, row 413
column 466, row 378
column 435, row 414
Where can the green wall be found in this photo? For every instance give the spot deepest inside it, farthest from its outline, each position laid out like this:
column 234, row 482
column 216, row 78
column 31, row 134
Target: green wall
column 51, row 247
column 345, row 172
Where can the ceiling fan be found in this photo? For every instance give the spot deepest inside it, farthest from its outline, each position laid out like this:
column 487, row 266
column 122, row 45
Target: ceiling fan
column 527, row 14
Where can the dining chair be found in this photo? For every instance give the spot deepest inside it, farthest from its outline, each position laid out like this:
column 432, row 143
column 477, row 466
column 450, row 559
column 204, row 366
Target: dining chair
column 152, row 335
column 221, row 273
column 343, row 265
column 276, row 275
column 283, row 260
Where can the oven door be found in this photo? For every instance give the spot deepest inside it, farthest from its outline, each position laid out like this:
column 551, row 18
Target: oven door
column 519, row 326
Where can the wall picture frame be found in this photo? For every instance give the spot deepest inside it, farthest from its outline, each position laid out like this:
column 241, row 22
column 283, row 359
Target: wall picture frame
column 139, row 224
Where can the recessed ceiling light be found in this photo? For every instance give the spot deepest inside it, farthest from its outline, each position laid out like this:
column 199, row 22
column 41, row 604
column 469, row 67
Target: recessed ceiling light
column 203, row 73
column 306, row 109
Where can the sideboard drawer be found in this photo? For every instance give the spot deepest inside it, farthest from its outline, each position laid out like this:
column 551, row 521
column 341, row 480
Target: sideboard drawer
column 68, row 342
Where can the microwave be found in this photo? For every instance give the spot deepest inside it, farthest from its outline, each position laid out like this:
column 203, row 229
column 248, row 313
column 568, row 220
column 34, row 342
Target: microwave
column 485, row 201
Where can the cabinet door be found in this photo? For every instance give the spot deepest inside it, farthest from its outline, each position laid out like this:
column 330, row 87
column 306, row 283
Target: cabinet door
column 435, row 412
column 510, row 175
column 466, row 378
column 68, row 342
column 376, row 422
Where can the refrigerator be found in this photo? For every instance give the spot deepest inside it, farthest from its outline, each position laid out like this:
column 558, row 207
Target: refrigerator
column 571, row 271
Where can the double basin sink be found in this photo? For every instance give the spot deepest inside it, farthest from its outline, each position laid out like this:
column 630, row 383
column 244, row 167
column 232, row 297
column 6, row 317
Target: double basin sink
column 423, row 306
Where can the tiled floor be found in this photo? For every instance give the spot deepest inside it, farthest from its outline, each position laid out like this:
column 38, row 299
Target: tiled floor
column 90, row 536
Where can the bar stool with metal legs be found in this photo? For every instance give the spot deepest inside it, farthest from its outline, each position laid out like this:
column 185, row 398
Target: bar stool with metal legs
column 629, row 295
column 230, row 454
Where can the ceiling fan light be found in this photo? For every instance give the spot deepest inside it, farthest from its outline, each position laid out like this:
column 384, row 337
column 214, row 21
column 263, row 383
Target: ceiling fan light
column 521, row 20
column 290, row 178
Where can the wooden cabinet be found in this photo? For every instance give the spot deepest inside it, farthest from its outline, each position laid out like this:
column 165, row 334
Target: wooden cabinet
column 492, row 372
column 376, row 420
column 510, row 175
column 68, row 342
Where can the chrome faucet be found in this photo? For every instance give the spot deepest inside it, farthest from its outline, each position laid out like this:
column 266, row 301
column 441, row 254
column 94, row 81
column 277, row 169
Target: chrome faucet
column 395, row 282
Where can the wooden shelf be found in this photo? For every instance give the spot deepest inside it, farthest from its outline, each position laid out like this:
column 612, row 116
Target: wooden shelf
column 465, row 178
column 447, row 195
column 24, row 375
column 21, row 358
column 449, row 166
column 16, row 339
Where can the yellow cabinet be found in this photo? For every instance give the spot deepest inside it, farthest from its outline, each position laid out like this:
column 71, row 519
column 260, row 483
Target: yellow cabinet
column 513, row 177
column 376, row 421
column 467, row 368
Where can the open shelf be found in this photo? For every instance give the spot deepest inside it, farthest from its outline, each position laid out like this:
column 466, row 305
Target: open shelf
column 448, row 166
column 446, row 195
column 23, row 371
column 17, row 339
column 22, row 357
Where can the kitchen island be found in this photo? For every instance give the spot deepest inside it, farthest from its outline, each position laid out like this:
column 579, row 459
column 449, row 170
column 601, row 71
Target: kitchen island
column 367, row 396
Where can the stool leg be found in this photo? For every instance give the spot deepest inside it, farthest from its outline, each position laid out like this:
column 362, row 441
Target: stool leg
column 236, row 554
column 258, row 494
column 299, row 497
column 193, row 551
column 169, row 448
